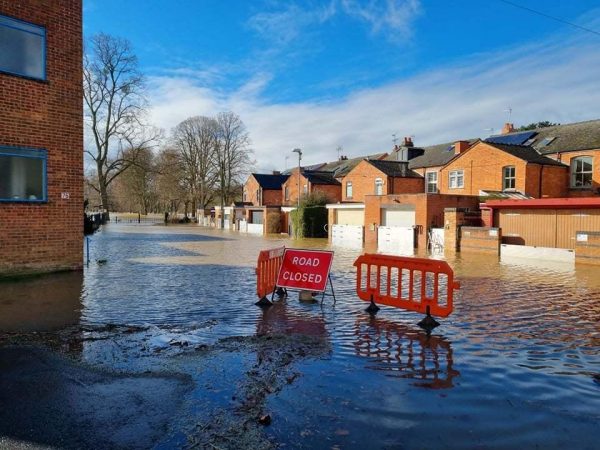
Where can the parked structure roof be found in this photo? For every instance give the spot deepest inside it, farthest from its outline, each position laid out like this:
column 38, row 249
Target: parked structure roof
column 342, row 167
column 561, row 138
column 434, row 155
column 320, row 177
column 526, row 153
column 398, row 169
column 270, row 181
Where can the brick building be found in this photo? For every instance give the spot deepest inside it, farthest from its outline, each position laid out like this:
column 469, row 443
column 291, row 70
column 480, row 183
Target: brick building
column 379, row 177
column 264, row 189
column 576, row 145
column 41, row 136
column 488, row 168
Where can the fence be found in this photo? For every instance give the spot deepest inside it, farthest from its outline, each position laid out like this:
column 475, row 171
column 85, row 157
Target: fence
column 415, row 284
column 267, row 269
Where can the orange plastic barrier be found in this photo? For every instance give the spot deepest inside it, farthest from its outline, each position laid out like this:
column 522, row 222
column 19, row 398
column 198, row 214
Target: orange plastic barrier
column 415, row 284
column 267, row 268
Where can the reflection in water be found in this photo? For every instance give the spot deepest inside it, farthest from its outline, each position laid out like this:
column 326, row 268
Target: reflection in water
column 281, row 319
column 405, row 352
column 42, row 303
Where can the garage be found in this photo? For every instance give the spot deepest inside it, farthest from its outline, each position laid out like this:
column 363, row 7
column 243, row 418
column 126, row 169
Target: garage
column 396, row 235
column 351, row 217
column 347, row 224
column 555, row 228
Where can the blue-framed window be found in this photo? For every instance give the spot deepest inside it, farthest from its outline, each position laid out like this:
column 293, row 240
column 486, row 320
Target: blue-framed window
column 23, row 175
column 22, row 48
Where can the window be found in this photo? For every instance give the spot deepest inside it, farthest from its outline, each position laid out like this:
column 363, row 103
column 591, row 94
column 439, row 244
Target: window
column 22, row 175
column 244, row 195
column 22, row 48
column 431, row 182
column 286, row 192
column 378, row 186
column 581, row 172
column 305, row 189
column 348, row 189
column 258, row 196
column 456, row 179
column 508, row 178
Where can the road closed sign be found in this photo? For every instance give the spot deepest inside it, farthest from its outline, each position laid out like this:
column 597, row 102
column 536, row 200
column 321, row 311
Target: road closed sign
column 305, row 269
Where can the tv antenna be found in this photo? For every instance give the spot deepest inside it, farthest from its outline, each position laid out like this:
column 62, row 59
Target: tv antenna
column 509, row 111
column 394, row 139
column 286, row 160
column 491, row 130
column 339, row 151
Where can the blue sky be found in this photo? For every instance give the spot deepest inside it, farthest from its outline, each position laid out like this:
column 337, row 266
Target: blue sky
column 323, row 74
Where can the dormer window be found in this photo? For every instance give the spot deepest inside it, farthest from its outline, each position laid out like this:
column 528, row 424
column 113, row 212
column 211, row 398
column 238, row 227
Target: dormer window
column 378, row 186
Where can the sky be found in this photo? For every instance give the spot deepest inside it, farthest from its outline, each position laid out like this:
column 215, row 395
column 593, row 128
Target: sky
column 319, row 75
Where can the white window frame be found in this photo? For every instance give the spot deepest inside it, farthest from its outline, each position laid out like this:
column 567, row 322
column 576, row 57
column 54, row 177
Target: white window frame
column 431, row 183
column 582, row 174
column 305, row 189
column 286, row 193
column 348, row 189
column 509, row 181
column 378, row 186
column 456, row 179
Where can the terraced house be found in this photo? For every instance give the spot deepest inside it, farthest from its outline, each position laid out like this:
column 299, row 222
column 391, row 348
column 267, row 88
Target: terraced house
column 41, row 136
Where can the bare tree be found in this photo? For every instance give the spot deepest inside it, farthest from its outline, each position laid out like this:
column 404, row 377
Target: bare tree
column 233, row 156
column 139, row 182
column 113, row 92
column 171, row 187
column 195, row 140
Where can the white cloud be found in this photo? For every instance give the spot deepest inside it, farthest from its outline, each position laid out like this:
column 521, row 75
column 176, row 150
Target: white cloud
column 391, row 17
column 556, row 81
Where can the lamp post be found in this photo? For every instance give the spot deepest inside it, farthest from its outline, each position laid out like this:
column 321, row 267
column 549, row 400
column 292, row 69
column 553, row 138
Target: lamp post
column 297, row 150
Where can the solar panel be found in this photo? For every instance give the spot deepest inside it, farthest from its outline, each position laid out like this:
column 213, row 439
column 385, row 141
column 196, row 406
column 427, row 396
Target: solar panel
column 512, row 139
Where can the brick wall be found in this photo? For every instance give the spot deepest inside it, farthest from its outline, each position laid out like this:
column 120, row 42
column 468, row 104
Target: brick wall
column 332, row 192
column 269, row 196
column 292, row 184
column 46, row 115
column 587, row 247
column 363, row 178
column 566, row 159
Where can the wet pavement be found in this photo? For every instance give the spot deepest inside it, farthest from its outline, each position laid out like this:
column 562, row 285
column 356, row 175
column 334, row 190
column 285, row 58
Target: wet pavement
column 163, row 324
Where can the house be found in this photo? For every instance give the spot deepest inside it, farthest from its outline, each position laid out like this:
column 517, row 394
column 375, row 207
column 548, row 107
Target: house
column 311, row 181
column 41, row 136
column 264, row 189
column 491, row 168
column 431, row 159
column 380, row 177
column 576, row 145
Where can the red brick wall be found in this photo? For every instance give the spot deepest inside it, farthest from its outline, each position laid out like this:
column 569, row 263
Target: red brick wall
column 483, row 170
column 46, row 115
column 270, row 197
column 363, row 178
column 332, row 191
column 566, row 159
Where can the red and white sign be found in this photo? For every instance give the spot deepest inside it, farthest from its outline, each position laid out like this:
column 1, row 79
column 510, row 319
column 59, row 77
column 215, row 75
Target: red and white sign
column 305, row 269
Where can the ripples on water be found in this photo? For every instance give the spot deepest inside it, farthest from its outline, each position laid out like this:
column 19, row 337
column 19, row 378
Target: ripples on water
column 515, row 366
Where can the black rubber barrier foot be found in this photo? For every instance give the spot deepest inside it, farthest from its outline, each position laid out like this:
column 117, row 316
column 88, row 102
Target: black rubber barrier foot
column 428, row 323
column 281, row 292
column 264, row 303
column 372, row 308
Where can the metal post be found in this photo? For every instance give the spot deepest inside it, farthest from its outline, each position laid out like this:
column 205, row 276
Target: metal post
column 87, row 245
column 297, row 150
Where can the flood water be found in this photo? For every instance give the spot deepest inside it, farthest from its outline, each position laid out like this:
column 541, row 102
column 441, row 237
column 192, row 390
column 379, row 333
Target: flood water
column 517, row 364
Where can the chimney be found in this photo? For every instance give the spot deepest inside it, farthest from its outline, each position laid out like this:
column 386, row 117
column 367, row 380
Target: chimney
column 460, row 146
column 508, row 128
column 408, row 141
column 276, row 172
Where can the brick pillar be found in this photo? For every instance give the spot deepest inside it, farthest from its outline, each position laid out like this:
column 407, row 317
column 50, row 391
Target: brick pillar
column 587, row 248
column 454, row 218
column 372, row 219
column 487, row 217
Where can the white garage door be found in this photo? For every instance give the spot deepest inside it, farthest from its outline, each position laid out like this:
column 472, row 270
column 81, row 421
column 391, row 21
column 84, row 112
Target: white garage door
column 398, row 217
column 350, row 236
column 396, row 240
column 351, row 217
